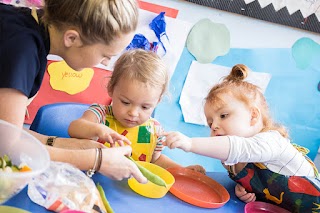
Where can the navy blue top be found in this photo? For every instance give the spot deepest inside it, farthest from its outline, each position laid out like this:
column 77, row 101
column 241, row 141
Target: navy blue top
column 24, row 46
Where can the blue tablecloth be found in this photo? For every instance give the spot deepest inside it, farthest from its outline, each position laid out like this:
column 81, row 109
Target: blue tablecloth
column 123, row 199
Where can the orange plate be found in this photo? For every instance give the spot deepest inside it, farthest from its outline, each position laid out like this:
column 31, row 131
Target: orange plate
column 198, row 189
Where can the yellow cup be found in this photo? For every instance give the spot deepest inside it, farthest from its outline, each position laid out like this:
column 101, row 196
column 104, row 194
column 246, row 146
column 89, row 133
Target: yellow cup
column 150, row 189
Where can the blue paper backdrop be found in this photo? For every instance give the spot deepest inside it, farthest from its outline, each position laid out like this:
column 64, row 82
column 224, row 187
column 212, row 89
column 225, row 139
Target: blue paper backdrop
column 292, row 95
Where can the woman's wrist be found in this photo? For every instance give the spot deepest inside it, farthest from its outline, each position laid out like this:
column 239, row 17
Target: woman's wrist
column 97, row 163
column 51, row 140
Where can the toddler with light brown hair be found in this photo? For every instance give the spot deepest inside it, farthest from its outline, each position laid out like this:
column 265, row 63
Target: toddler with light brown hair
column 138, row 82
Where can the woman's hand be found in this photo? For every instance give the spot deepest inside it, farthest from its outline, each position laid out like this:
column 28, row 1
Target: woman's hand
column 117, row 166
column 177, row 140
column 197, row 168
column 243, row 195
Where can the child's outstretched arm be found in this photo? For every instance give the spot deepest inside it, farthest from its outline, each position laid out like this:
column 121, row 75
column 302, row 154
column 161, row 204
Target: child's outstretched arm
column 87, row 127
column 216, row 147
column 166, row 162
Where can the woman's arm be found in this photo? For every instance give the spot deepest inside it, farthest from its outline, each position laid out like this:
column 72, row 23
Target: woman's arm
column 68, row 143
column 114, row 165
column 82, row 155
column 13, row 106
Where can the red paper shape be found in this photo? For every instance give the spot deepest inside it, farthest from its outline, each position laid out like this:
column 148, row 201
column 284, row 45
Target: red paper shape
column 96, row 93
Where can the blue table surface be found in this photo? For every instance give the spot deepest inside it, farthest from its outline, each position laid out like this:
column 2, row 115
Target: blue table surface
column 123, row 199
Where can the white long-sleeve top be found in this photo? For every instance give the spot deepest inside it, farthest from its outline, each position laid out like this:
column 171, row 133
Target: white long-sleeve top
column 271, row 149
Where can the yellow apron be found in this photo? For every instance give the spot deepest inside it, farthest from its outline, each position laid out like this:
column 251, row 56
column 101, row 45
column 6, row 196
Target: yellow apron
column 143, row 138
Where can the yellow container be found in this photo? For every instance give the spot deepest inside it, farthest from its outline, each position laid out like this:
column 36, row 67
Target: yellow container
column 150, row 189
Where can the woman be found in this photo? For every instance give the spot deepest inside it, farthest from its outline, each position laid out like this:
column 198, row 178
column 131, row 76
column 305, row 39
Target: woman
column 84, row 34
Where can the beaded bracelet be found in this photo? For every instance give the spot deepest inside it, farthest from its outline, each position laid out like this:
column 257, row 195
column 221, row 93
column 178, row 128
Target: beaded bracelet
column 97, row 163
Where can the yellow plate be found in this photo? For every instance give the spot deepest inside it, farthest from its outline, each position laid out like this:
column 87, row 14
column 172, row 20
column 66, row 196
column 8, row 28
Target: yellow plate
column 149, row 189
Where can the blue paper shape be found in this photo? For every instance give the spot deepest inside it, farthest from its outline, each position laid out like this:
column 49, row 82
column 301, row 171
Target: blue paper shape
column 305, row 52
column 158, row 25
column 140, row 41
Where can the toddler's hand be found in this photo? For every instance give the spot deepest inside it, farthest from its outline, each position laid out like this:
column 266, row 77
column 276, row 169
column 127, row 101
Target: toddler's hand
column 112, row 137
column 117, row 138
column 177, row 140
column 197, row 168
column 243, row 195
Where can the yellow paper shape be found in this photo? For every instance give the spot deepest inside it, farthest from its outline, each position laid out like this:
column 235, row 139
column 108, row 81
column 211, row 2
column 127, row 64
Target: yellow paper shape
column 65, row 79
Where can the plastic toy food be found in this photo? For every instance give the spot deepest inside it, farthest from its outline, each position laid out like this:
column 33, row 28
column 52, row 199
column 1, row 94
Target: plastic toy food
column 104, row 199
column 151, row 189
column 149, row 175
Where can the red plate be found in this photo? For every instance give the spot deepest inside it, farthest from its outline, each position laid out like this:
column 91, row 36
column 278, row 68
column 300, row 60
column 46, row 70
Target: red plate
column 198, row 189
column 262, row 207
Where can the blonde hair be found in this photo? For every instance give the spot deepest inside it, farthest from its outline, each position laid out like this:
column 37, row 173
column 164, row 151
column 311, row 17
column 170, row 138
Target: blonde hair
column 246, row 92
column 98, row 21
column 141, row 65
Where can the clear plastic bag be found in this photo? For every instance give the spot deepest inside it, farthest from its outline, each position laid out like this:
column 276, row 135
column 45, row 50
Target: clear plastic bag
column 63, row 187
